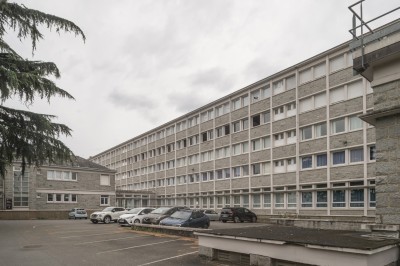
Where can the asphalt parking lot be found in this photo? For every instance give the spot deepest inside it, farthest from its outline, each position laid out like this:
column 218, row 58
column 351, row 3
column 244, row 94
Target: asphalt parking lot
column 79, row 242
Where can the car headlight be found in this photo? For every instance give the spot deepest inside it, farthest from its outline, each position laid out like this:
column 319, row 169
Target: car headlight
column 100, row 215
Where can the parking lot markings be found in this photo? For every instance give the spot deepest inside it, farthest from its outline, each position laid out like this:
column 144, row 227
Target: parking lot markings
column 157, row 243
column 113, row 233
column 115, row 239
column 170, row 258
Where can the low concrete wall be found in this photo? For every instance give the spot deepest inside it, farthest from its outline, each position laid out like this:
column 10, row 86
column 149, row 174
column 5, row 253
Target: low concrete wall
column 36, row 215
column 179, row 231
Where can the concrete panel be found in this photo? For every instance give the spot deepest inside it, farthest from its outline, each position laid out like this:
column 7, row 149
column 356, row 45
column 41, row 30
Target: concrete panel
column 180, row 189
column 240, row 159
column 350, row 106
column 193, row 188
column 259, row 131
column 207, row 125
column 181, row 135
column 371, row 170
column 283, row 98
column 312, row 87
column 206, row 146
column 284, row 124
column 170, row 173
column 193, row 131
column 193, row 149
column 370, row 101
column 222, row 184
column 284, row 151
column 222, row 141
column 169, row 156
column 207, row 186
column 181, row 153
column 313, row 176
column 284, row 179
column 346, row 139
column 347, row 172
column 312, row 117
column 371, row 136
column 240, row 113
column 239, row 183
column 261, row 156
column 260, row 181
column 260, row 106
column 222, row 163
column 341, row 77
column 170, row 138
column 222, row 120
column 170, row 190
column 239, row 136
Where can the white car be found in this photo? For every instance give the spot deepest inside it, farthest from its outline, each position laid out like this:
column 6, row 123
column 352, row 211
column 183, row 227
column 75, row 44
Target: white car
column 77, row 213
column 107, row 215
column 133, row 216
column 213, row 215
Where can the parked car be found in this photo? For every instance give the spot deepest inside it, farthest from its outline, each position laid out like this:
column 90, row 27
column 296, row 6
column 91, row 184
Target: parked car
column 77, row 213
column 213, row 215
column 160, row 213
column 107, row 215
column 133, row 216
column 187, row 218
column 237, row 214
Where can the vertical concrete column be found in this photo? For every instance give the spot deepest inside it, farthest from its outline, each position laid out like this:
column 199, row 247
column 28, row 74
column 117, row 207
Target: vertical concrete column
column 387, row 102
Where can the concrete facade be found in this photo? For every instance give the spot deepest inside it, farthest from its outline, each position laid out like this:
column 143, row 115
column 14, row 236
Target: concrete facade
column 59, row 187
column 290, row 143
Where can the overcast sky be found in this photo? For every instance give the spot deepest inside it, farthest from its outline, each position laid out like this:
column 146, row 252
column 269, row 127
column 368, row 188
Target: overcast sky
column 147, row 62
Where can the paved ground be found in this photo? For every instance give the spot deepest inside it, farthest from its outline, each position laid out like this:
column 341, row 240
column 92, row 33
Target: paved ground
column 79, row 242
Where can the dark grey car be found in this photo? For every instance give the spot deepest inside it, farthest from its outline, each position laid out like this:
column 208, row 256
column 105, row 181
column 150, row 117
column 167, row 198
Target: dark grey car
column 160, row 213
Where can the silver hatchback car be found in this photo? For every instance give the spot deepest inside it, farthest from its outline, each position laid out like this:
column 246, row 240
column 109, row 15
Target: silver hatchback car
column 77, row 213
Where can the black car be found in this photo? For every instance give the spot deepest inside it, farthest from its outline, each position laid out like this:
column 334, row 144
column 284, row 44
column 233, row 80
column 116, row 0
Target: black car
column 160, row 213
column 237, row 214
column 187, row 218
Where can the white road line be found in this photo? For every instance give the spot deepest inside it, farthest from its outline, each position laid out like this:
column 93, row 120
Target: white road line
column 75, row 231
column 115, row 239
column 114, row 250
column 92, row 235
column 170, row 258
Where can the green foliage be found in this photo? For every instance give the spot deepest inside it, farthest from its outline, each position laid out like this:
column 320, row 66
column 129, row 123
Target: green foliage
column 29, row 137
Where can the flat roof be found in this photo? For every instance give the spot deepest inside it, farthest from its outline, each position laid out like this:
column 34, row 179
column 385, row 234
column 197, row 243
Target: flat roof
column 306, row 236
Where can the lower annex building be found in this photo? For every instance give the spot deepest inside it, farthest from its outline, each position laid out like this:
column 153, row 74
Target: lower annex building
column 291, row 143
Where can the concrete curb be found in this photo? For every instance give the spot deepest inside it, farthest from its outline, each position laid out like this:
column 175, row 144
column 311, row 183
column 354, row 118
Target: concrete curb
column 170, row 230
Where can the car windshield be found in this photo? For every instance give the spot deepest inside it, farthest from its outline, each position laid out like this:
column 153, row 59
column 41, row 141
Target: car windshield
column 181, row 215
column 108, row 209
column 161, row 210
column 134, row 211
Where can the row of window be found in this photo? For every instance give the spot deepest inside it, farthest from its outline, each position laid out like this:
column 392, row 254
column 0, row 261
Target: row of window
column 339, row 198
column 73, row 198
column 337, row 94
column 62, row 175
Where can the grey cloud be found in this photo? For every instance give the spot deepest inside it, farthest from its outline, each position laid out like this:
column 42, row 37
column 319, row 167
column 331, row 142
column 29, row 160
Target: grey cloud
column 186, row 101
column 213, row 79
column 258, row 69
column 131, row 102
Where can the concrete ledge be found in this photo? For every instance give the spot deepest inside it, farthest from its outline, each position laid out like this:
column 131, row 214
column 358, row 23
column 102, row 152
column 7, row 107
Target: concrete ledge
column 36, row 215
column 170, row 230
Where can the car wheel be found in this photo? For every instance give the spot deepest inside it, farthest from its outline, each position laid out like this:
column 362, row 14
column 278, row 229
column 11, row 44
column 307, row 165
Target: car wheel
column 94, row 221
column 85, row 218
column 236, row 219
column 107, row 219
column 224, row 221
column 253, row 219
column 74, row 217
column 206, row 226
column 137, row 221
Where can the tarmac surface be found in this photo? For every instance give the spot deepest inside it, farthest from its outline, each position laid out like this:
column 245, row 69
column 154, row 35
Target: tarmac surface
column 79, row 242
column 305, row 236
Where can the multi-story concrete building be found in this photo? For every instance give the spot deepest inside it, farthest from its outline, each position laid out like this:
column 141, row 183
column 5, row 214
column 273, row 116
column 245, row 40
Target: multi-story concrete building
column 291, row 143
column 58, row 187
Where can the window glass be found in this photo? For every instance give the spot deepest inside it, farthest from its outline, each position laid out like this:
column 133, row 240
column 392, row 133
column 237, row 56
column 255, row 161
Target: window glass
column 319, row 100
column 355, row 123
column 305, row 75
column 306, row 162
column 338, row 157
column 291, row 82
column 256, row 169
column 245, row 124
column 265, row 92
column 306, row 199
column 357, row 197
column 306, row 133
column 339, row 198
column 322, row 199
column 355, row 89
column 372, row 153
column 337, row 63
column 255, row 96
column 321, row 160
column 356, row 155
column 306, row 104
column 338, row 126
column 319, row 70
column 320, row 130
column 267, row 200
column 337, row 95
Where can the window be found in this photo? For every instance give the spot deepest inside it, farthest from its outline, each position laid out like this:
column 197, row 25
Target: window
column 291, row 164
column 256, row 144
column 278, row 87
column 255, row 96
column 279, row 166
column 322, row 160
column 279, row 139
column 279, row 200
column 265, row 92
column 312, row 102
column 256, row 120
column 256, row 201
column 337, row 63
column 338, row 157
column 236, row 171
column 236, row 104
column 104, row 200
column 357, row 197
column 320, row 130
column 245, row 124
column 236, row 126
column 356, row 155
column 291, row 199
column 266, row 168
column 306, row 199
column 339, row 198
column 245, row 170
column 337, row 95
column 306, row 133
column 256, row 169
column 372, row 153
column 338, row 126
column 266, row 142
column 355, row 123
column 306, row 162
column 322, row 199
column 267, row 200
column 372, row 197
column 104, row 180
column 62, row 175
column 266, row 117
